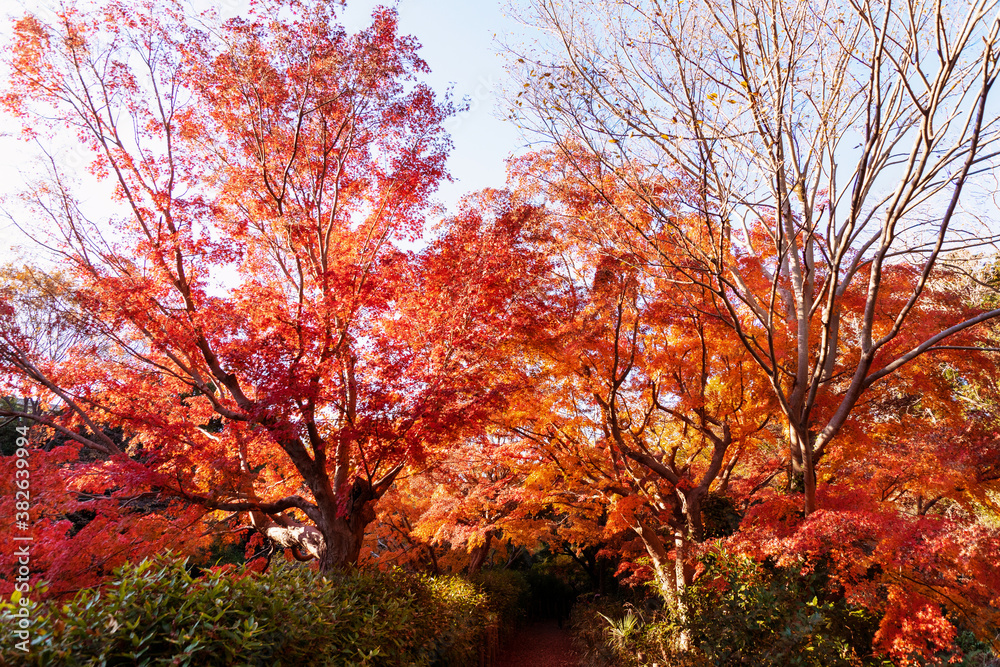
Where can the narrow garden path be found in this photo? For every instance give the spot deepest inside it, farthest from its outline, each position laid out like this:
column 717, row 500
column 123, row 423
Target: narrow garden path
column 541, row 644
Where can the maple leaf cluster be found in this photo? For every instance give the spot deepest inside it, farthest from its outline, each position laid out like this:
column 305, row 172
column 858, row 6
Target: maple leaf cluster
column 254, row 344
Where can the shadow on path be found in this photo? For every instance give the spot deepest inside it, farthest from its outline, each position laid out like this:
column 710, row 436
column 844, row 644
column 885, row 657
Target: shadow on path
column 541, row 644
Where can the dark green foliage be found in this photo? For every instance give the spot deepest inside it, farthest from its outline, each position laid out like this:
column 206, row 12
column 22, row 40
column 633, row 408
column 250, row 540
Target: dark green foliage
column 616, row 632
column 738, row 612
column 719, row 516
column 156, row 613
column 8, row 437
column 8, row 427
column 507, row 594
column 741, row 612
column 970, row 652
column 226, row 552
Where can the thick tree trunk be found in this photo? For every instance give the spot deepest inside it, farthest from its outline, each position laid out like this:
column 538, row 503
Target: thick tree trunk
column 345, row 533
column 336, row 542
column 306, row 540
column 478, row 554
column 344, row 540
column 336, row 548
column 691, row 506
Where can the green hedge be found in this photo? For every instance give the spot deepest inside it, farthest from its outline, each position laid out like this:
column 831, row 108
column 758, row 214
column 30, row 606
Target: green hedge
column 156, row 613
column 739, row 612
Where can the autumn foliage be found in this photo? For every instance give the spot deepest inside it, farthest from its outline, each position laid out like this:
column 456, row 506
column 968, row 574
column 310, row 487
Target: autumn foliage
column 253, row 328
column 276, row 343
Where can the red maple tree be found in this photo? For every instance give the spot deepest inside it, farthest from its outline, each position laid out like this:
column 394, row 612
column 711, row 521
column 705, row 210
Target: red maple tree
column 254, row 327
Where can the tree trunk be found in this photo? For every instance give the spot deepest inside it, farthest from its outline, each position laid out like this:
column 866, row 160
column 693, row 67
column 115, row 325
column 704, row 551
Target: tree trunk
column 671, row 577
column 478, row 554
column 803, row 463
column 336, row 542
column 345, row 534
column 680, row 578
column 665, row 581
column 288, row 533
column 691, row 506
column 344, row 541
column 432, row 560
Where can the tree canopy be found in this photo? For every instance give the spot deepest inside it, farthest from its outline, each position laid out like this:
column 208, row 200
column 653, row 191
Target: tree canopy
column 740, row 301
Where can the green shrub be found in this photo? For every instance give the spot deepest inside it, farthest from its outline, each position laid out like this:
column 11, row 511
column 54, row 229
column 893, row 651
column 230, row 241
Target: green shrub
column 741, row 612
column 454, row 629
column 969, row 652
column 155, row 613
column 613, row 632
column 507, row 595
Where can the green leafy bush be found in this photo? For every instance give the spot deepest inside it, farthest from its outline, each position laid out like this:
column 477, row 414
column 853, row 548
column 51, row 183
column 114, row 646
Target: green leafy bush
column 506, row 593
column 615, row 632
column 738, row 612
column 156, row 613
column 969, row 652
column 741, row 612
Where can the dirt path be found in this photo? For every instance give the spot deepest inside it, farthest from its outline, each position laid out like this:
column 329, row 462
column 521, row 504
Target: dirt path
column 541, row 644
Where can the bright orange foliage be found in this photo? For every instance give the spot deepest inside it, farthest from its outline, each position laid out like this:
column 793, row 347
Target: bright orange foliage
column 588, row 360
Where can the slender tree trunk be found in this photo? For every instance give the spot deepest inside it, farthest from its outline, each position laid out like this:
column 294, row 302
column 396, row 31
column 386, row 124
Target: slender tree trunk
column 680, row 578
column 803, row 462
column 670, row 576
column 809, row 480
column 433, row 560
column 665, row 580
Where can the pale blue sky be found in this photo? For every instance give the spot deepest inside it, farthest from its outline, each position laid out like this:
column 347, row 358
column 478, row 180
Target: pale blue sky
column 459, row 45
